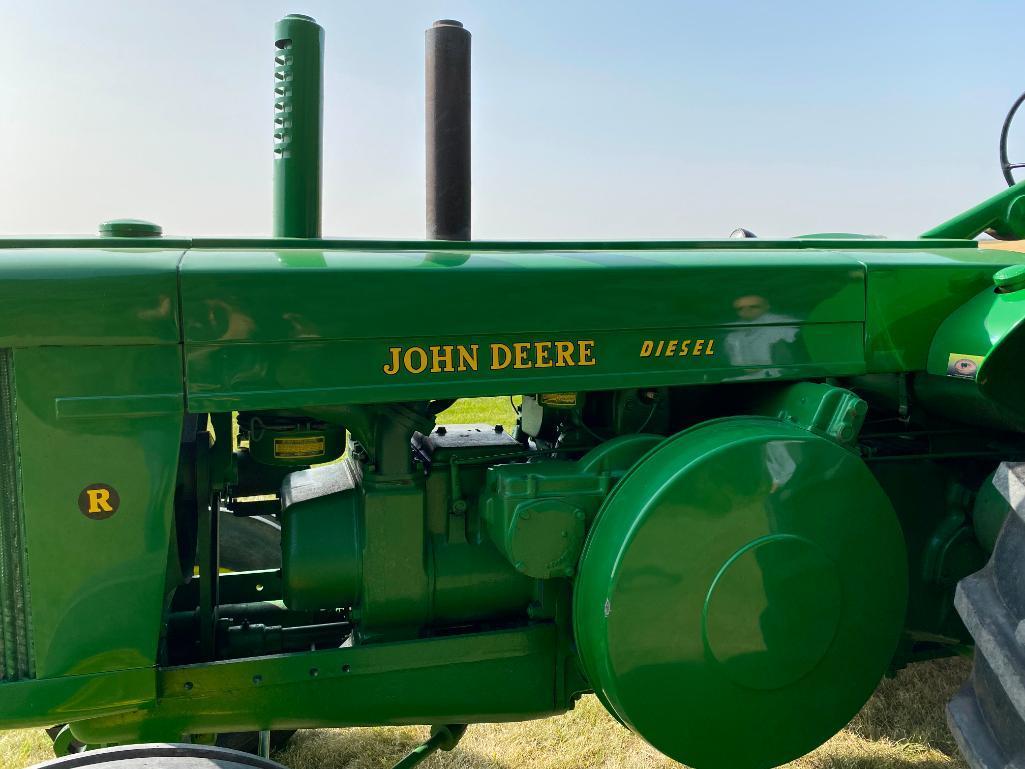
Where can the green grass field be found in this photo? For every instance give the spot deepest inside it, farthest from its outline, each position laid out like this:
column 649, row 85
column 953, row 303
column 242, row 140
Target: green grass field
column 901, row 727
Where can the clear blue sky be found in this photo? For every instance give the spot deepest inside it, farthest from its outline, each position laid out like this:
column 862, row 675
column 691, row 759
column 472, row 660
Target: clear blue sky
column 590, row 119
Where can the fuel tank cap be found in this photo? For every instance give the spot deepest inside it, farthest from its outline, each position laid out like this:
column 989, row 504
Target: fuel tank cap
column 1010, row 278
column 130, row 228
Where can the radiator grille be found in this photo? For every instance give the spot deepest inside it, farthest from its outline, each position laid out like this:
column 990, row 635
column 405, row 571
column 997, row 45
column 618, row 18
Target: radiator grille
column 15, row 648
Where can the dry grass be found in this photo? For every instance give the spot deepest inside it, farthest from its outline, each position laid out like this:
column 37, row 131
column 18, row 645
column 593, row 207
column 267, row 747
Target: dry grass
column 901, row 727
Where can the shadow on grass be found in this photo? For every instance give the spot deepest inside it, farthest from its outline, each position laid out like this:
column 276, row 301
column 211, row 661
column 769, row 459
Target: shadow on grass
column 902, row 727
column 911, row 706
column 372, row 748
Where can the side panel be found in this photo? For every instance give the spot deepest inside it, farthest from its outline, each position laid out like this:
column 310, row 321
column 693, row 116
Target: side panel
column 297, row 374
column 66, row 296
column 105, row 419
column 291, row 328
column 911, row 294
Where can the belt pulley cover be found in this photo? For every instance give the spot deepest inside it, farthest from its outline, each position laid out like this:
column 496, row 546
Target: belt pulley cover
column 741, row 593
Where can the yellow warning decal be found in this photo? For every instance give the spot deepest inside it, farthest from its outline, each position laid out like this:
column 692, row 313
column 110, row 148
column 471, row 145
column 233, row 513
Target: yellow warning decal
column 299, row 448
column 963, row 366
column 559, row 400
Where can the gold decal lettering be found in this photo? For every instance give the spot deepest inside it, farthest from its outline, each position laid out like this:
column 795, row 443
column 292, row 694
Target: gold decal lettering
column 566, row 353
column 498, row 350
column 563, row 353
column 521, row 351
column 392, row 368
column 468, row 358
column 441, row 358
column 99, row 501
column 587, row 352
column 544, row 351
column 407, row 360
column 646, row 347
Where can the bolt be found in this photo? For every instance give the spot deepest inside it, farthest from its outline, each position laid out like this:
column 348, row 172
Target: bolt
column 314, row 672
column 499, row 429
column 257, row 680
column 568, row 571
column 188, row 686
column 580, row 515
column 441, row 430
column 520, row 566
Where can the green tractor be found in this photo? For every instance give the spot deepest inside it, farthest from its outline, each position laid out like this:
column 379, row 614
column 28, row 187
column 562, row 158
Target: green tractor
column 747, row 477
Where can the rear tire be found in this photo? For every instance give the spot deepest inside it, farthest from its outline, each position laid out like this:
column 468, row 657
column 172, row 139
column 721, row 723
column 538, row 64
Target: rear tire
column 249, row 543
column 987, row 716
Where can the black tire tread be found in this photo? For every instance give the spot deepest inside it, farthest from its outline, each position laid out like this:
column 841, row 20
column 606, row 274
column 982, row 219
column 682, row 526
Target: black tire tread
column 987, row 716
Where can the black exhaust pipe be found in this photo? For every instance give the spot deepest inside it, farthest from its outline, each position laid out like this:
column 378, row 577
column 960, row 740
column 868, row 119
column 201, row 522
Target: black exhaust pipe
column 448, row 131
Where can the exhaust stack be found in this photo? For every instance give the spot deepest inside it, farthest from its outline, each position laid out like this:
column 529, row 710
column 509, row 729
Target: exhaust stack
column 298, row 126
column 448, row 131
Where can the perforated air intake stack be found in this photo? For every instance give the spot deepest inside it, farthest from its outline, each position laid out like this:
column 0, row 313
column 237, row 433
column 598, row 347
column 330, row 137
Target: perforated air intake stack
column 298, row 126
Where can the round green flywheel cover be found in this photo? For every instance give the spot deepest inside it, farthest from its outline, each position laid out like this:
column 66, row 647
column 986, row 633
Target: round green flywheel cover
column 741, row 593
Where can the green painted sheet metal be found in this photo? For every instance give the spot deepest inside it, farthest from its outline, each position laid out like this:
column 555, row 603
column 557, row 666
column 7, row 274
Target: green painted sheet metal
column 46, row 701
column 505, row 675
column 291, row 375
column 825, row 241
column 741, row 592
column 911, row 293
column 975, row 360
column 58, row 296
column 325, row 326
column 97, row 573
column 268, row 296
